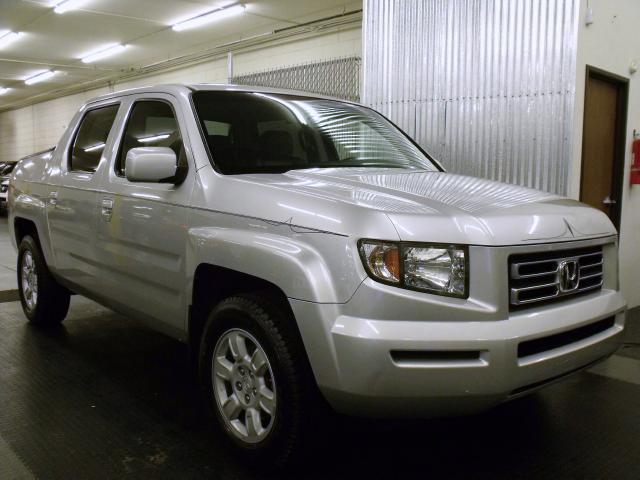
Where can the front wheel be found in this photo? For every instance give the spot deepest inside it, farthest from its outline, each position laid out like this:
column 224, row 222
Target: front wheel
column 256, row 378
column 44, row 301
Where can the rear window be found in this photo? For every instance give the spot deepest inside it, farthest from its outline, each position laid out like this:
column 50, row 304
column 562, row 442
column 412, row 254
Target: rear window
column 91, row 138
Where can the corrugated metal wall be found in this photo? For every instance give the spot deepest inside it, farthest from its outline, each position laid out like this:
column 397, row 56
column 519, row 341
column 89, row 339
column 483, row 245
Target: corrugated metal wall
column 336, row 77
column 486, row 86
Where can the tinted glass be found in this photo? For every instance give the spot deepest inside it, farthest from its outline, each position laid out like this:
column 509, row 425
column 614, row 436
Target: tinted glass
column 250, row 132
column 151, row 124
column 6, row 168
column 91, row 138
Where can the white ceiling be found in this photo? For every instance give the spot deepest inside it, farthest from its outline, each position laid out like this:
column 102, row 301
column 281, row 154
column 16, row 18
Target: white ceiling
column 53, row 41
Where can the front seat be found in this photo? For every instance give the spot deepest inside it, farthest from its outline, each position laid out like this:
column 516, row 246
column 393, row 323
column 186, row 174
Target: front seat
column 276, row 148
column 221, row 150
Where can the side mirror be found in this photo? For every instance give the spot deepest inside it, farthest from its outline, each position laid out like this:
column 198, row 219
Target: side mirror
column 151, row 164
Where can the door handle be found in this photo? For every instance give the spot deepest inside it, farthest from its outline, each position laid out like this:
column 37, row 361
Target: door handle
column 53, row 199
column 107, row 208
column 608, row 201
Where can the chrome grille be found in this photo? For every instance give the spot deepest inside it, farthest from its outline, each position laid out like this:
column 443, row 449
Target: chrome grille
column 547, row 276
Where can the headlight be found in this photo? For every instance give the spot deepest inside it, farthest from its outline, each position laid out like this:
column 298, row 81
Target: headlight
column 438, row 269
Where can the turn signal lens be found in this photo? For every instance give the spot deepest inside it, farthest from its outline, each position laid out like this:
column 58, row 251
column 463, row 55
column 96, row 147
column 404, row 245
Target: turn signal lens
column 382, row 260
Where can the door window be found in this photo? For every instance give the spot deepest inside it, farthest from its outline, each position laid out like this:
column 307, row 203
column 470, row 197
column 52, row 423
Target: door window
column 91, row 138
column 152, row 123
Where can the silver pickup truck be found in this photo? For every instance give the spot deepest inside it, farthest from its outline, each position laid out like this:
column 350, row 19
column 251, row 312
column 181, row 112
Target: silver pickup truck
column 309, row 251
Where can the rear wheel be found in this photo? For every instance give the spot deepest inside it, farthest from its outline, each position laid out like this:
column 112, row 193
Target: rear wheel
column 44, row 301
column 256, row 378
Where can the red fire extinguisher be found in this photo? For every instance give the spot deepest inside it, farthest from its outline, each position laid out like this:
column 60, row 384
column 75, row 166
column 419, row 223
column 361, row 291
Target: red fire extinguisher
column 635, row 165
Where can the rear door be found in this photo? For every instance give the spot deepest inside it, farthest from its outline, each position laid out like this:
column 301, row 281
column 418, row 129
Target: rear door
column 142, row 228
column 72, row 196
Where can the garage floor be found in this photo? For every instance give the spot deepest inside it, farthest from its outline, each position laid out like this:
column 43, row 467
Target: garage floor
column 104, row 397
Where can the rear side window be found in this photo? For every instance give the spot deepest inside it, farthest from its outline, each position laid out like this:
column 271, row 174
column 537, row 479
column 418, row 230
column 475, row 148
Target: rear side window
column 152, row 123
column 91, row 138
column 217, row 128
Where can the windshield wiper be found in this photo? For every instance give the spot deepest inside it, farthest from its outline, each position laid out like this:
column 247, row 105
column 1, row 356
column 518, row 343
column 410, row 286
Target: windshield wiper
column 348, row 165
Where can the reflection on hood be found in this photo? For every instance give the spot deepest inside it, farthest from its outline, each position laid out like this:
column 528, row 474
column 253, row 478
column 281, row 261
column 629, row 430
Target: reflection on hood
column 469, row 194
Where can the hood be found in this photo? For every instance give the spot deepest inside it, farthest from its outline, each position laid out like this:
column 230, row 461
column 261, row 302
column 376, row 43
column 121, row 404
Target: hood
column 435, row 206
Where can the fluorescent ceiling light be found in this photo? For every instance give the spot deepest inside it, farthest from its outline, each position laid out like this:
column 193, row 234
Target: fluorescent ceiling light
column 208, row 17
column 93, row 148
column 103, row 53
column 40, row 77
column 3, row 90
column 6, row 37
column 153, row 138
column 66, row 5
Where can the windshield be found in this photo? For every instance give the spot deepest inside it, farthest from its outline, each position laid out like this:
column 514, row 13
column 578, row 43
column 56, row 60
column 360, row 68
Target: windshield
column 251, row 132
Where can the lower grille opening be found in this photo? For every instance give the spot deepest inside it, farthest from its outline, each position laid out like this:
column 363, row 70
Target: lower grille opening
column 417, row 357
column 539, row 345
column 547, row 381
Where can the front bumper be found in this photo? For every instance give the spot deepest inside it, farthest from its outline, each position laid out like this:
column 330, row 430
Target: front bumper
column 455, row 356
column 358, row 375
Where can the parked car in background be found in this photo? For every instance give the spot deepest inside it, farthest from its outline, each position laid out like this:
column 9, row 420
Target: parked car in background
column 5, row 172
column 306, row 249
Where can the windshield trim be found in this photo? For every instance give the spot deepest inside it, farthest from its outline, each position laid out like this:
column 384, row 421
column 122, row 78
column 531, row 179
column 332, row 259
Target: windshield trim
column 203, row 139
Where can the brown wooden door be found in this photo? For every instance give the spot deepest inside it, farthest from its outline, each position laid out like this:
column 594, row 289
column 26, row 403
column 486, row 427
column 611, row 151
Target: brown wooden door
column 604, row 120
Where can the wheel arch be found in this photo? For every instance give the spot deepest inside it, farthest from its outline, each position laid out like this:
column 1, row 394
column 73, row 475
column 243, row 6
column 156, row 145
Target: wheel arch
column 213, row 283
column 29, row 217
column 23, row 226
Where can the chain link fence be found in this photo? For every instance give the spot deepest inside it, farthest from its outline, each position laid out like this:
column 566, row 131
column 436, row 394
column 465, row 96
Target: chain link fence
column 338, row 77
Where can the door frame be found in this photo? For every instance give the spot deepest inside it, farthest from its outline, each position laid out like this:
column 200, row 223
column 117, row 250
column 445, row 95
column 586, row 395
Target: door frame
column 621, row 135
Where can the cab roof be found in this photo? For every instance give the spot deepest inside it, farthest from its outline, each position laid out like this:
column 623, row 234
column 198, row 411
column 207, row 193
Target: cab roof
column 179, row 88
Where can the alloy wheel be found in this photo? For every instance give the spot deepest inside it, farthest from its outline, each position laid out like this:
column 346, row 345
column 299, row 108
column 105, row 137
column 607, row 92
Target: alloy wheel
column 244, row 386
column 29, row 281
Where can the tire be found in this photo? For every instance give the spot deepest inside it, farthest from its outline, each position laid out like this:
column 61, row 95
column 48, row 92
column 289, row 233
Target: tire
column 272, row 331
column 50, row 304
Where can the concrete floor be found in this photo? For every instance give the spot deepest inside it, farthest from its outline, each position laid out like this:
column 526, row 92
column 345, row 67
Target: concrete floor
column 104, row 397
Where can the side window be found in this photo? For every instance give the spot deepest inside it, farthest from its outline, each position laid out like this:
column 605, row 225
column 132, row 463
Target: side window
column 217, row 128
column 152, row 123
column 91, row 138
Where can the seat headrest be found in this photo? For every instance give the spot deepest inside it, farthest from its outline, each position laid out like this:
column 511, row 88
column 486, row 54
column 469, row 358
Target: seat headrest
column 219, row 141
column 277, row 141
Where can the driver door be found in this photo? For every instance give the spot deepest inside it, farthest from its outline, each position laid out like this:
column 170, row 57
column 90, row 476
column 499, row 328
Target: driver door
column 142, row 228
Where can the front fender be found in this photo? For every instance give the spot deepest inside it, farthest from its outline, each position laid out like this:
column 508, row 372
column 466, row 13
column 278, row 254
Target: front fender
column 314, row 267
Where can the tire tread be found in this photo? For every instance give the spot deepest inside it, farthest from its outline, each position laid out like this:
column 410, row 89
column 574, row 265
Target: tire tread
column 53, row 299
column 293, row 365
